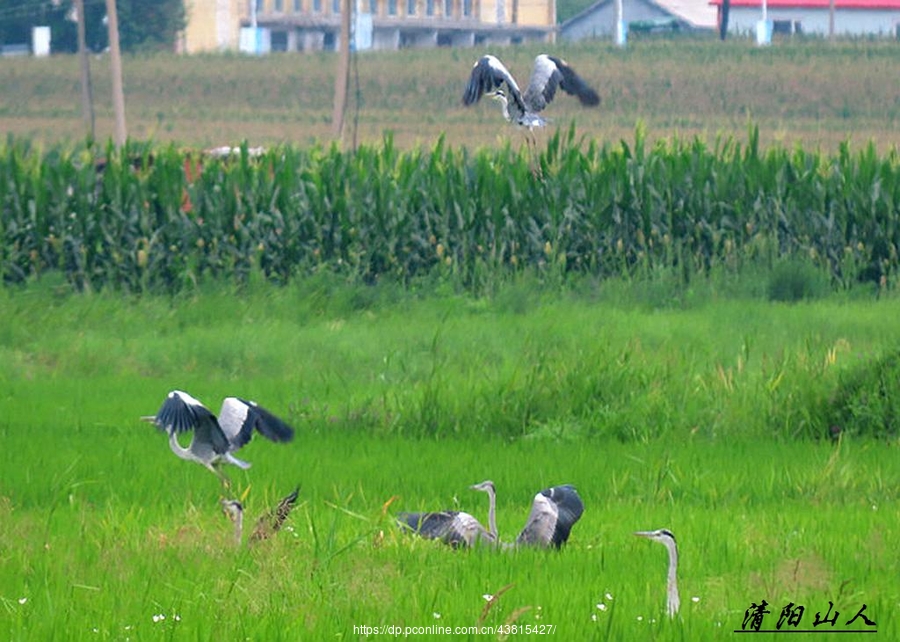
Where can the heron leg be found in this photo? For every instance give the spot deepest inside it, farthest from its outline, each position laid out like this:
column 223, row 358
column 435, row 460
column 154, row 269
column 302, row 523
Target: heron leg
column 533, row 153
column 226, row 483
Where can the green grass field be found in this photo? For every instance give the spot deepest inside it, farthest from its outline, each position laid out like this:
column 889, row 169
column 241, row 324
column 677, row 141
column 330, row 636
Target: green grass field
column 682, row 417
column 805, row 91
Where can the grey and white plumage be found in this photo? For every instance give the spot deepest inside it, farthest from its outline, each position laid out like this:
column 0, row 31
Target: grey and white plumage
column 216, row 438
column 456, row 528
column 665, row 537
column 549, row 74
column 553, row 513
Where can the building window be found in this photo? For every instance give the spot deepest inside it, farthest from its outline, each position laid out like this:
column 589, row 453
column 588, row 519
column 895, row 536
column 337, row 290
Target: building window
column 373, row 7
column 336, row 7
column 279, row 6
column 410, row 7
column 448, row 8
column 786, row 27
column 429, row 7
column 392, row 7
column 467, row 8
column 298, row 6
column 317, row 6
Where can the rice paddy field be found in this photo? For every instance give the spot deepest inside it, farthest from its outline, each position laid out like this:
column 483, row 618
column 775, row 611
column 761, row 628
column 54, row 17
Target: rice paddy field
column 401, row 403
column 696, row 328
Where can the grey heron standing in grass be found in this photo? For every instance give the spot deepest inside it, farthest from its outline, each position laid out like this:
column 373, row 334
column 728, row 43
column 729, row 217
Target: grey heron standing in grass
column 216, row 438
column 665, row 537
column 267, row 525
column 489, row 75
column 456, row 528
column 553, row 513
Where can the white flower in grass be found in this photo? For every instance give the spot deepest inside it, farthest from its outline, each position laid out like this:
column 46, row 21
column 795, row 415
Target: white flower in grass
column 695, row 599
column 436, row 615
column 159, row 617
column 176, row 617
column 22, row 600
column 487, row 597
column 609, row 597
column 640, row 618
column 601, row 606
column 594, row 617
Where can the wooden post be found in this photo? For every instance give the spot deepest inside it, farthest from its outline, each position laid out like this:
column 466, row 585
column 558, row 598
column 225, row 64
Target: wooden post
column 87, row 104
column 115, row 63
column 342, row 77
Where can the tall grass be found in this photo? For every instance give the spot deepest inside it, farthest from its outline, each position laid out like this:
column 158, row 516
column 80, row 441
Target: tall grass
column 525, row 363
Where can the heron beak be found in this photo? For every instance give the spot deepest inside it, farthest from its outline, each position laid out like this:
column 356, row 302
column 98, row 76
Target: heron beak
column 644, row 533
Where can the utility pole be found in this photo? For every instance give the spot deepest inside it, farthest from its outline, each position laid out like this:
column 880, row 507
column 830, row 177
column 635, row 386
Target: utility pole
column 831, row 19
column 87, row 105
column 115, row 63
column 342, row 77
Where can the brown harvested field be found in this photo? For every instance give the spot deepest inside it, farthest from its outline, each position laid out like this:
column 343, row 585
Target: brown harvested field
column 807, row 92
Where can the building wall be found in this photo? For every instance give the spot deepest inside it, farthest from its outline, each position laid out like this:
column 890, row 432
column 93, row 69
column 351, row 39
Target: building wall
column 312, row 25
column 816, row 21
column 212, row 25
column 600, row 23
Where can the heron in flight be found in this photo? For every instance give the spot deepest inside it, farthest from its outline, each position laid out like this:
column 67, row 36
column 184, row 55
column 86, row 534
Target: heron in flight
column 215, row 439
column 553, row 513
column 665, row 537
column 267, row 525
column 489, row 75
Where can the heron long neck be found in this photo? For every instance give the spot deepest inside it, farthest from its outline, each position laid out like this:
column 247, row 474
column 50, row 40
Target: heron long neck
column 178, row 449
column 673, row 602
column 492, row 512
column 504, row 103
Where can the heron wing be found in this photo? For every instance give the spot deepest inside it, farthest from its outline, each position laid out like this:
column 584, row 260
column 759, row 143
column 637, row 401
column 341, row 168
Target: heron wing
column 208, row 436
column 488, row 75
column 541, row 523
column 550, row 73
column 574, row 84
column 451, row 527
column 553, row 513
column 181, row 412
column 240, row 417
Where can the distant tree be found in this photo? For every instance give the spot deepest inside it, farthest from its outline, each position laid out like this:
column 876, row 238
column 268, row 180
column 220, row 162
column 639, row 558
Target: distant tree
column 150, row 26
column 143, row 25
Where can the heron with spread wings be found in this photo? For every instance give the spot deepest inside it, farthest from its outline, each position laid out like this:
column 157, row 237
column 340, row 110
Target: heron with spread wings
column 553, row 513
column 216, row 438
column 550, row 73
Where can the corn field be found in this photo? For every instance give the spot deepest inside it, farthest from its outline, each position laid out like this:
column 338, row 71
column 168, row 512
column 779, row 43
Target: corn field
column 157, row 218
